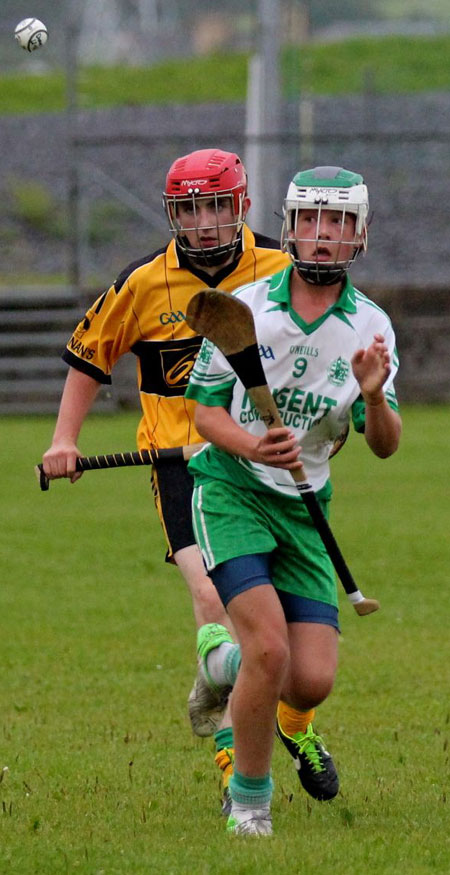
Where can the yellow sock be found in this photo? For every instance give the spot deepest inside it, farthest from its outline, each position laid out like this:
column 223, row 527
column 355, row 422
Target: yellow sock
column 293, row 721
column 224, row 759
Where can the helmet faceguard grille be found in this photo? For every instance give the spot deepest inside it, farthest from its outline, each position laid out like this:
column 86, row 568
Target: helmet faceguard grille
column 209, row 256
column 345, row 243
column 214, row 176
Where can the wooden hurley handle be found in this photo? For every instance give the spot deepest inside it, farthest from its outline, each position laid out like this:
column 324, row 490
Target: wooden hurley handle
column 263, row 400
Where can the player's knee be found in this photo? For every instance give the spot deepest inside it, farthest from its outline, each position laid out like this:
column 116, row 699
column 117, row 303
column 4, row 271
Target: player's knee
column 207, row 605
column 268, row 654
column 313, row 688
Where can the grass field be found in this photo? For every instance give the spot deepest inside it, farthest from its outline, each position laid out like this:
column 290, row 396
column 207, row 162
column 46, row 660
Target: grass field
column 97, row 656
column 394, row 65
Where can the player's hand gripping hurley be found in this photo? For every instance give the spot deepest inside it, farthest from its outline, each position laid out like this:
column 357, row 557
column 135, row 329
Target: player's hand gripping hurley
column 228, row 323
column 122, row 460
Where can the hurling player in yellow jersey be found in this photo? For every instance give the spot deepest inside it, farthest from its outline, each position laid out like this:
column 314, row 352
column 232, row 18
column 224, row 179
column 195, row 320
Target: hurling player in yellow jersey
column 143, row 312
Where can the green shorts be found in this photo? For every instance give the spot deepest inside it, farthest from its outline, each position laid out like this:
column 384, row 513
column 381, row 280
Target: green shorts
column 229, row 522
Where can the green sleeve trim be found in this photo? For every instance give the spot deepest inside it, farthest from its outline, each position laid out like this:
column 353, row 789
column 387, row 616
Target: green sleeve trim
column 211, row 396
column 359, row 410
column 359, row 415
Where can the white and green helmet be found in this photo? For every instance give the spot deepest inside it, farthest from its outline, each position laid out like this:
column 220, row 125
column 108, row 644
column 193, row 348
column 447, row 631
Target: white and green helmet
column 325, row 188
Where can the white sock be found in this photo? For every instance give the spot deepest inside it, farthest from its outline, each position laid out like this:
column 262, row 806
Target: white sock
column 215, row 662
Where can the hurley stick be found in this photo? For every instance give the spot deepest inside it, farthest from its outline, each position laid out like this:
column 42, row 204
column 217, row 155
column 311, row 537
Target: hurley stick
column 122, row 460
column 228, row 323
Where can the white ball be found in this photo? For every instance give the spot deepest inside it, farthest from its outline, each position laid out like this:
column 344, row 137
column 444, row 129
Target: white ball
column 31, row 34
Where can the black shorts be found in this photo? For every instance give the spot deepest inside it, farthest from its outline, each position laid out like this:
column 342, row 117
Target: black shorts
column 172, row 486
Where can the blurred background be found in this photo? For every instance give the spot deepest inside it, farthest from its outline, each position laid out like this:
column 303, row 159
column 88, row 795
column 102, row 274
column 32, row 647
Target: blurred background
column 90, row 123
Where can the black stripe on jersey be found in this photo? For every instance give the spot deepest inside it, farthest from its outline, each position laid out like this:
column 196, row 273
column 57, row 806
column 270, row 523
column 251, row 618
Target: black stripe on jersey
column 125, row 273
column 214, row 280
column 166, row 365
column 263, row 242
column 81, row 365
column 99, row 306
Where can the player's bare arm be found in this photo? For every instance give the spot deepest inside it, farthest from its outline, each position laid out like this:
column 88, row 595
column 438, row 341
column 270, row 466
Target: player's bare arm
column 277, row 447
column 371, row 368
column 79, row 393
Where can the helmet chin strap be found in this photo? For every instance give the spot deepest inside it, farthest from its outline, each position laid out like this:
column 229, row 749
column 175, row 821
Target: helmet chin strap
column 211, row 260
column 320, row 275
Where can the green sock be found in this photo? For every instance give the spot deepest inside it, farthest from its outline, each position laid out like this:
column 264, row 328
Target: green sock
column 252, row 792
column 232, row 664
column 224, row 738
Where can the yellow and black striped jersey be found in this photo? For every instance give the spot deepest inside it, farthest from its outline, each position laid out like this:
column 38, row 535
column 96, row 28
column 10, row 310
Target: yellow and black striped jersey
column 143, row 312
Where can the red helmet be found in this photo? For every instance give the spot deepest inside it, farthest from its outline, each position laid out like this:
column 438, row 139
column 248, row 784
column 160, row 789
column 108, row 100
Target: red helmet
column 206, row 173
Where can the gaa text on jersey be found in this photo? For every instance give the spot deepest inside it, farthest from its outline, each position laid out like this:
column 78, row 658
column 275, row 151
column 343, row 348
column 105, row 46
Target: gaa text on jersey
column 266, row 352
column 172, row 317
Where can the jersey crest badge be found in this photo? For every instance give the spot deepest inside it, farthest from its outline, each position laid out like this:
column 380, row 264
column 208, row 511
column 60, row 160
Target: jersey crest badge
column 338, row 371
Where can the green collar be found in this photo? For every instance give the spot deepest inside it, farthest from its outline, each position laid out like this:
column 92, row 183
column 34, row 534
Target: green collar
column 280, row 293
column 279, row 290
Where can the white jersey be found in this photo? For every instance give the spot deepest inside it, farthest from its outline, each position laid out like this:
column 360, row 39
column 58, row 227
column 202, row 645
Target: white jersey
column 308, row 369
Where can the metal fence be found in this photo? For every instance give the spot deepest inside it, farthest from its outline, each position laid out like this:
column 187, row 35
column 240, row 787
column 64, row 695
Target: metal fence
column 123, row 155
column 399, row 144
column 110, row 166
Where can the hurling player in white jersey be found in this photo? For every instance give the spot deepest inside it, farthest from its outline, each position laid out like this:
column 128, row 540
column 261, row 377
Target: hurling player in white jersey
column 329, row 357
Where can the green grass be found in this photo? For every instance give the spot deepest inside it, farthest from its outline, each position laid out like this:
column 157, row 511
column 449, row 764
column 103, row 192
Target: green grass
column 97, row 656
column 393, row 65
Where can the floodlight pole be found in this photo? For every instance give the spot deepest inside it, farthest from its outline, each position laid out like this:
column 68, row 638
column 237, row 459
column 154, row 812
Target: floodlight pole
column 73, row 185
column 263, row 127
